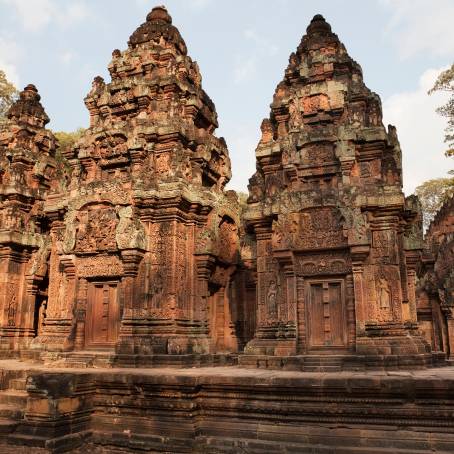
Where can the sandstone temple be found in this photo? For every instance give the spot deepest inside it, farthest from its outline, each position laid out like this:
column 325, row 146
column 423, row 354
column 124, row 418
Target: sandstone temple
column 144, row 309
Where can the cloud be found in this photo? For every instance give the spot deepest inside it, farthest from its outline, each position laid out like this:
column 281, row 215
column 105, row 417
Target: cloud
column 199, row 4
column 10, row 54
column 264, row 46
column 246, row 66
column 245, row 69
column 419, row 26
column 67, row 57
column 420, row 130
column 37, row 14
column 191, row 4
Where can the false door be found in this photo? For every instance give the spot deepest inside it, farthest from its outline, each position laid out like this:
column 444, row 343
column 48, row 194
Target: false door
column 103, row 315
column 325, row 315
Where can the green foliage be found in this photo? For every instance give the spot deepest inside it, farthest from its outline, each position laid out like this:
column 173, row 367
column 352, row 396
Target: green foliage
column 242, row 200
column 432, row 194
column 8, row 94
column 445, row 82
column 67, row 140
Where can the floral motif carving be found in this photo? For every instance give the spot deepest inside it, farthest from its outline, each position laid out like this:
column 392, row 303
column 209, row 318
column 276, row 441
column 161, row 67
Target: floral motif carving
column 99, row 266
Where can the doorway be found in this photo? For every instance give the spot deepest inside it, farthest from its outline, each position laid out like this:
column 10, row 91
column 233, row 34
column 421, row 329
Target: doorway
column 103, row 315
column 325, row 315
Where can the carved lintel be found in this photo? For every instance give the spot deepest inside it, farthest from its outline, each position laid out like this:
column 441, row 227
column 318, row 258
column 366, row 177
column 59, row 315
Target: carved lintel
column 99, row 266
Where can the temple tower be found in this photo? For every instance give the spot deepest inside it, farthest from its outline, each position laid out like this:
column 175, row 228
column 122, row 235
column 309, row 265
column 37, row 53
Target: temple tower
column 144, row 239
column 336, row 247
column 28, row 171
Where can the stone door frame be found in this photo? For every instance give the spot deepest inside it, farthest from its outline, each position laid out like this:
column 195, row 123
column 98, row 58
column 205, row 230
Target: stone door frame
column 343, row 312
column 90, row 316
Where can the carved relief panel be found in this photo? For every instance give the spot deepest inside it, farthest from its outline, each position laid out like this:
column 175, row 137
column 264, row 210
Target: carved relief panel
column 323, row 263
column 316, row 229
column 384, row 246
column 384, row 294
column 96, row 229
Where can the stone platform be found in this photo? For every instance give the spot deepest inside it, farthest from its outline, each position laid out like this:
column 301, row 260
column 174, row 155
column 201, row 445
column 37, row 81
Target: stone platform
column 224, row 410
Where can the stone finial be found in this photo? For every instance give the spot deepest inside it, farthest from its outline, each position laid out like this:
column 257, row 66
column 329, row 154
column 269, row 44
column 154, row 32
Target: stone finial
column 31, row 92
column 28, row 106
column 159, row 14
column 157, row 25
column 318, row 25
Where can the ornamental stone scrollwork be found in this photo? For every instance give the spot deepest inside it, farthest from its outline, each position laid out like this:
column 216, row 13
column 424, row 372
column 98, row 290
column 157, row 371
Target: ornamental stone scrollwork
column 323, row 264
column 99, row 266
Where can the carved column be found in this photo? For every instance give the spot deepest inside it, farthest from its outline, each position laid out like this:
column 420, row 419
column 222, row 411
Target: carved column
column 450, row 325
column 204, row 264
column 263, row 256
column 300, row 314
column 28, row 310
column 81, row 310
column 412, row 259
column 351, row 318
column 359, row 254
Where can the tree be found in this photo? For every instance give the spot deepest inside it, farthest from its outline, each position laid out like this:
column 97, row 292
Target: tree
column 66, row 140
column 445, row 82
column 432, row 194
column 8, row 94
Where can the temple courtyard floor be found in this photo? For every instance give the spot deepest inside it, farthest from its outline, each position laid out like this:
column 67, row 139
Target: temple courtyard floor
column 224, row 410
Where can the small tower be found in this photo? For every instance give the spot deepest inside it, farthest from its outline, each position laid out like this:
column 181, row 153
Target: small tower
column 330, row 219
column 28, row 171
column 145, row 239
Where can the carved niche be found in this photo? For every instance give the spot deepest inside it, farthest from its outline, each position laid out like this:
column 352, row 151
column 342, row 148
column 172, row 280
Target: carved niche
column 383, row 293
column 228, row 240
column 96, row 229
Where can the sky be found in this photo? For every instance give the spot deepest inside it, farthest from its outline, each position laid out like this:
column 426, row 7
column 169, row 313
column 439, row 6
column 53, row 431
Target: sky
column 242, row 48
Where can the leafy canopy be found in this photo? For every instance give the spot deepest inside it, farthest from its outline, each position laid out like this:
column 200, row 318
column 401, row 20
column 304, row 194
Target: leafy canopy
column 445, row 82
column 432, row 194
column 8, row 94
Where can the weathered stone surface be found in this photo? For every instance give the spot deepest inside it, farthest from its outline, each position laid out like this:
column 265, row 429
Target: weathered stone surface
column 335, row 250
column 228, row 409
column 436, row 284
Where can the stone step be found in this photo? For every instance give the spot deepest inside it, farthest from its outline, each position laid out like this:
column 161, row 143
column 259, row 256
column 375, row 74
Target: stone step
column 7, row 426
column 327, row 361
column 11, row 411
column 322, row 369
column 14, row 397
column 18, row 384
